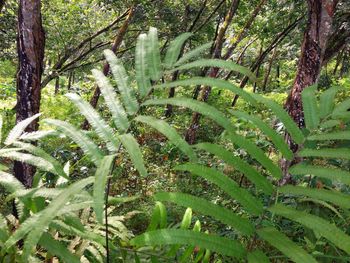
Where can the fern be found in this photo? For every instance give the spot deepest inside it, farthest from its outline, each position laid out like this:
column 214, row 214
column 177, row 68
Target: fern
column 174, row 49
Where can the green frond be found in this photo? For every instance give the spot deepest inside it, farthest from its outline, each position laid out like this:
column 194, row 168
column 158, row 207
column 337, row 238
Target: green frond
column 215, row 243
column 257, row 256
column 249, row 202
column 285, row 245
column 10, row 182
column 101, row 175
column 120, row 118
column 338, row 135
column 126, row 91
column 37, row 135
column 84, row 142
column 134, row 151
column 336, row 153
column 141, row 67
column 102, row 129
column 283, row 116
column 174, row 49
column 153, row 53
column 217, row 63
column 330, row 124
column 16, row 132
column 206, row 81
column 256, row 178
column 310, row 108
column 327, row 99
column 205, row 207
column 277, row 139
column 341, row 110
column 317, row 224
column 194, row 53
column 164, row 128
column 158, row 218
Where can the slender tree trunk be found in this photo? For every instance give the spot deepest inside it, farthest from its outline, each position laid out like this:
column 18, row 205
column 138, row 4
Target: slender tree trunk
column 117, row 42
column 191, row 132
column 338, row 60
column 345, row 64
column 70, row 80
column 278, row 74
column 269, row 67
column 57, row 85
column 321, row 13
column 30, row 45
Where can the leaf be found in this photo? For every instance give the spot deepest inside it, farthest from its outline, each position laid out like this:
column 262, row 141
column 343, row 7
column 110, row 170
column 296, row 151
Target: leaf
column 212, row 82
column 338, row 135
column 217, row 63
column 120, row 118
column 327, row 99
column 159, row 217
column 141, row 67
column 256, row 153
column 169, row 132
column 207, row 208
column 57, row 248
column 16, row 132
column 197, row 106
column 320, row 171
column 259, row 181
column 268, row 131
column 341, row 110
column 134, row 152
column 85, row 143
column 257, row 256
column 174, row 49
column 193, row 53
column 337, row 198
column 10, row 182
column 215, row 243
column 283, row 116
column 36, row 135
column 317, row 224
column 338, row 153
column 120, row 75
column 310, row 108
column 186, row 219
column 285, row 245
column 250, row 203
column 101, row 175
column 154, row 61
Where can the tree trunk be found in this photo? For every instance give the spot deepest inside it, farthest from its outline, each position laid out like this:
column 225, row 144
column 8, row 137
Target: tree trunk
column 57, row 85
column 345, row 65
column 30, row 45
column 320, row 18
column 70, row 80
column 269, row 67
column 338, row 60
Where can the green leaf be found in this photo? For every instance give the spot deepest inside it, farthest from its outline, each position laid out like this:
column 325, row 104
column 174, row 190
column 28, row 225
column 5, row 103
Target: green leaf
column 120, row 118
column 85, row 143
column 338, row 153
column 169, row 132
column 256, row 153
column 207, row 208
column 327, row 99
column 283, row 116
column 134, row 152
column 193, row 53
column 101, row 175
column 16, row 132
column 250, row 203
column 277, row 139
column 120, row 75
column 320, row 171
column 154, row 62
column 337, row 198
column 215, row 243
column 104, row 131
column 217, row 63
column 206, row 81
column 10, row 182
column 197, row 106
column 285, row 245
column 257, row 256
column 159, row 217
column 57, row 248
column 141, row 67
column 341, row 110
column 317, row 224
column 311, row 110
column 338, row 135
column 174, row 49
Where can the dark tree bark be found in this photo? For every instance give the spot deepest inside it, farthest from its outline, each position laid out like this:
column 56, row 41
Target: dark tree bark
column 57, row 85
column 117, row 42
column 337, row 62
column 30, row 45
column 70, row 80
column 268, row 71
column 2, row 4
column 317, row 32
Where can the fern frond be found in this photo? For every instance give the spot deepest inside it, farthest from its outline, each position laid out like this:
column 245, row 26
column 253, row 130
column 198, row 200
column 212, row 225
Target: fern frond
column 119, row 73
column 341, row 110
column 327, row 99
column 207, row 208
column 10, row 182
column 257, row 256
column 37, row 135
column 158, row 218
column 120, row 118
column 84, row 142
column 338, row 135
column 19, row 129
column 153, row 53
column 141, row 67
column 310, row 108
column 104, row 131
column 169, row 132
column 193, row 53
column 336, row 153
column 174, row 49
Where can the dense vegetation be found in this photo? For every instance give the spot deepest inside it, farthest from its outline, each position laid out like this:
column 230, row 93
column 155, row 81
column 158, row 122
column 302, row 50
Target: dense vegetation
column 164, row 131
